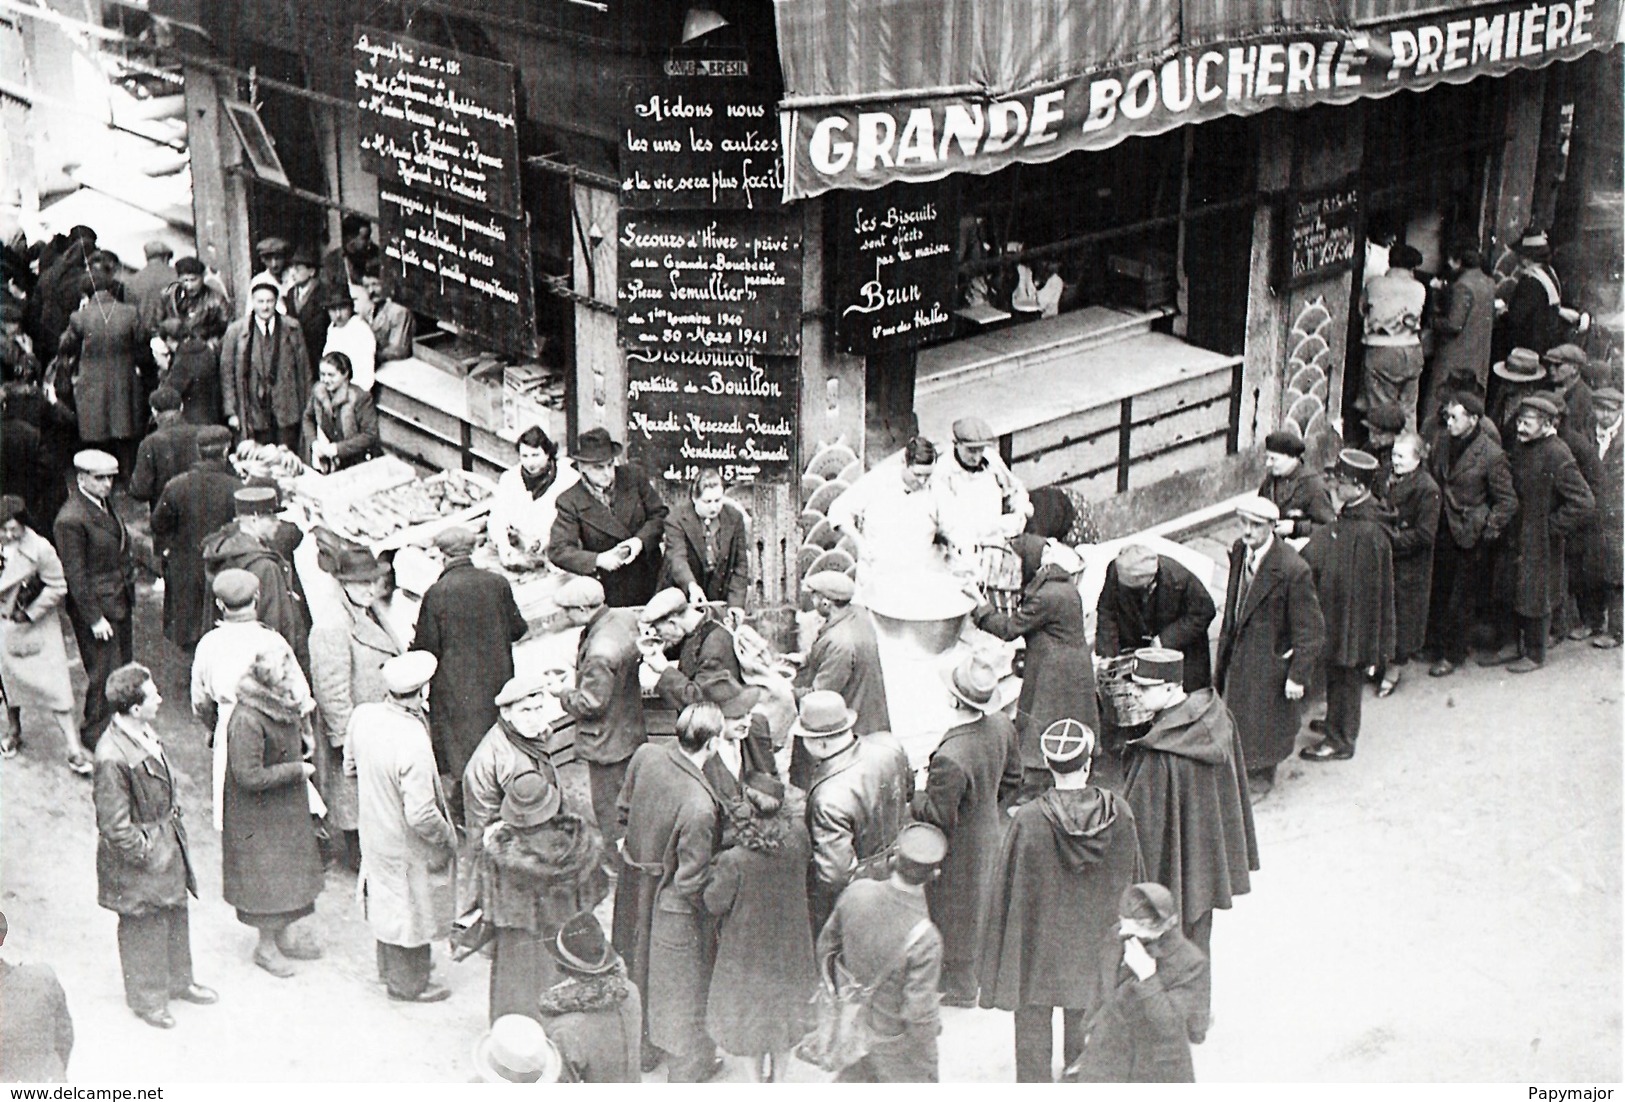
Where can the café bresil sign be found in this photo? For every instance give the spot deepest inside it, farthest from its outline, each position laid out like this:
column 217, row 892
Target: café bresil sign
column 871, row 142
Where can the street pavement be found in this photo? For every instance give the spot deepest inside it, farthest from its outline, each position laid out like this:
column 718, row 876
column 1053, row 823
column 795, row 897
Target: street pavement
column 1445, row 907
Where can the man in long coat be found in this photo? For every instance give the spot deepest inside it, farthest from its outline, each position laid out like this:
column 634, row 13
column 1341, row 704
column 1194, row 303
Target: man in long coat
column 1463, row 329
column 305, row 301
column 249, row 542
column 1150, row 600
column 106, row 335
column 197, row 503
column 100, row 569
column 1353, row 562
column 608, row 525
column 973, row 764
column 1271, row 639
column 166, row 452
column 1602, row 596
column 673, row 824
column 266, row 370
column 1553, row 503
column 1049, row 931
column 1058, row 681
column 1187, row 786
column 845, row 657
column 1413, row 502
column 469, row 621
column 408, row 842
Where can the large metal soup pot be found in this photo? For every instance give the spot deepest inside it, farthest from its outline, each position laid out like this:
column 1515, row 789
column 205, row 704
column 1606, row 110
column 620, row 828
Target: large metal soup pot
column 922, row 610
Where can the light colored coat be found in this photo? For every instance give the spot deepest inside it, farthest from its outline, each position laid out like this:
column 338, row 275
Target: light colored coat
column 34, row 656
column 347, row 657
column 407, row 886
column 530, row 519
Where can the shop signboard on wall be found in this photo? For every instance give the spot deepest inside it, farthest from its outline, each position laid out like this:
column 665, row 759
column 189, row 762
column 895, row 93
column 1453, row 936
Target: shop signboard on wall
column 895, row 272
column 438, row 121
column 702, row 137
column 1320, row 234
column 726, row 282
column 691, row 408
column 460, row 263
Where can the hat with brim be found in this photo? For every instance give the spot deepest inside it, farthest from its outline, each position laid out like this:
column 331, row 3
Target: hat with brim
column 516, row 1050
column 357, row 564
column 824, row 714
column 94, row 461
column 1522, row 365
column 595, row 446
column 579, row 591
column 975, row 684
column 409, row 672
column 734, row 699
column 1535, row 244
column 580, row 946
column 1155, row 665
column 530, row 801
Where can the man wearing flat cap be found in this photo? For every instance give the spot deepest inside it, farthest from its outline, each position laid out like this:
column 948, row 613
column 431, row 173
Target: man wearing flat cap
column 145, row 289
column 845, row 656
column 1477, row 504
column 1297, row 491
column 272, row 253
column 984, row 507
column 518, row 742
column 1159, row 1006
column 608, row 525
column 469, row 621
column 857, row 798
column 1270, row 640
column 202, row 311
column 1601, row 594
column 707, row 665
column 1554, row 503
column 260, row 542
column 1565, row 366
column 265, row 369
column 1050, row 919
column 882, row 935
column 407, row 883
column 1353, row 562
column 166, row 451
column 1188, row 788
column 192, row 506
column 1150, row 600
column 100, row 569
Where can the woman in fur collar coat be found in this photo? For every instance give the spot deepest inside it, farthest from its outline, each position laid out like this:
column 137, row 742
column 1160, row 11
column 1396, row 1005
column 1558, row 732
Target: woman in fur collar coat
column 594, row 1015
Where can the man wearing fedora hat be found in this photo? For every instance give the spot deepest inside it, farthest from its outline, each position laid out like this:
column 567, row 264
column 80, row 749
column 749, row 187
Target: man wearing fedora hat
column 534, row 868
column 1554, row 503
column 857, row 798
column 976, row 764
column 743, row 748
column 516, row 1049
column 608, row 525
column 350, row 335
column 1532, row 317
column 1187, row 784
column 1353, row 562
column 304, row 300
column 1519, row 374
column 254, row 540
column 100, row 569
column 407, row 883
column 881, row 934
column 1049, row 920
column 593, row 1012
column 1159, row 1006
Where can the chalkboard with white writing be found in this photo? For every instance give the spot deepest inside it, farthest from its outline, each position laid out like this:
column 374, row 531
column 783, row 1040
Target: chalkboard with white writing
column 894, row 276
column 728, row 281
column 1321, row 230
column 700, row 141
column 688, row 409
column 440, row 122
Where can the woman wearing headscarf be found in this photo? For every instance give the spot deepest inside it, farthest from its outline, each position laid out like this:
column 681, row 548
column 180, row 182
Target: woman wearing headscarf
column 33, row 653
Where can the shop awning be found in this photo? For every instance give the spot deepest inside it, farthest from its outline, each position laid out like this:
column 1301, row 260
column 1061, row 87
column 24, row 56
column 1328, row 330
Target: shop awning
column 878, row 91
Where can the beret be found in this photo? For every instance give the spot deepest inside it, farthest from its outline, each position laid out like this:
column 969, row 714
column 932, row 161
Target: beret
column 1284, row 442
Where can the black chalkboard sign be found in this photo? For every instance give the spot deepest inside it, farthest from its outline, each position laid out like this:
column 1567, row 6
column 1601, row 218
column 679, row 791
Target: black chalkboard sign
column 688, row 409
column 723, row 281
column 894, row 283
column 460, row 263
column 700, row 142
column 440, row 122
column 1321, row 231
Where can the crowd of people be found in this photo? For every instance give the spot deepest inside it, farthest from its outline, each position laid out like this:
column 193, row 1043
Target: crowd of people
column 778, row 859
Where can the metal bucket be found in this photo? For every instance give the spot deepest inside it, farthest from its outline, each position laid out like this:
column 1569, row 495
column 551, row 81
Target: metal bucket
column 923, row 611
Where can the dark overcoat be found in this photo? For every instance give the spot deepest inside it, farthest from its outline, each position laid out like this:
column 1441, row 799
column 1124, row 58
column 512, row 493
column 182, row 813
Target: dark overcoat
column 194, row 371
column 280, row 608
column 607, row 702
column 1476, row 500
column 470, row 622
column 597, row 1024
column 163, row 454
column 1353, row 563
column 845, row 658
column 1553, row 503
column 311, row 317
column 1050, row 931
column 96, row 560
column 1273, row 633
column 961, row 799
column 1187, row 784
column 583, row 527
column 764, row 975
column 269, row 861
column 142, row 860
column 190, row 508
column 107, row 394
column 1605, row 551
column 1178, row 609
column 1144, row 1032
column 1302, row 497
column 1058, row 681
column 728, row 580
column 1413, row 501
column 707, row 667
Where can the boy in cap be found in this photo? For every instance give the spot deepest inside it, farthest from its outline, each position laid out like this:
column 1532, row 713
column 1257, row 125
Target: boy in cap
column 99, row 566
column 881, row 934
column 1554, row 502
column 1049, row 920
column 1187, row 785
column 1383, row 424
column 593, row 1012
column 1297, row 491
column 1600, row 596
column 193, row 505
column 408, row 843
column 1353, row 563
column 1159, row 1008
column 1271, row 611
